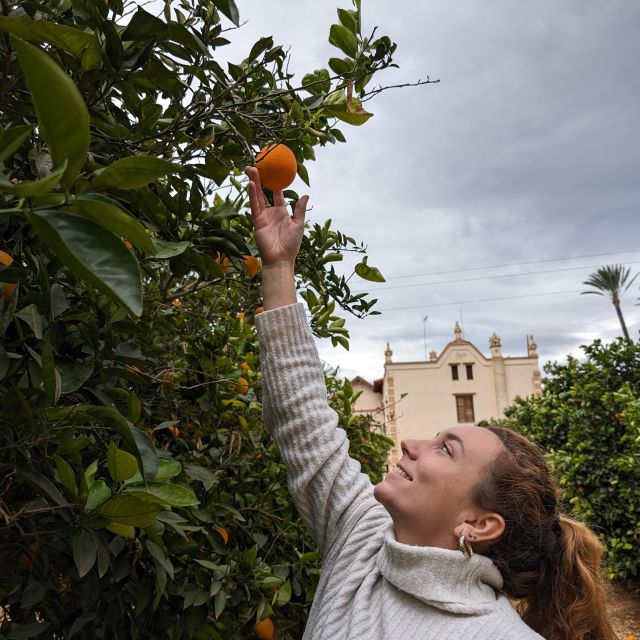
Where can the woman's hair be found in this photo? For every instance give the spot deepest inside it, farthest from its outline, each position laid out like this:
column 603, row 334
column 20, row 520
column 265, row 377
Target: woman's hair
column 551, row 564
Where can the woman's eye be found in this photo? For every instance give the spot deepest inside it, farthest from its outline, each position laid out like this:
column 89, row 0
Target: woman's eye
column 446, row 448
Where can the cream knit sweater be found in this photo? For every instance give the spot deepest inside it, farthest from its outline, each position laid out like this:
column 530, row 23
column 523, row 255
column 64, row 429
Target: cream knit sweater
column 372, row 587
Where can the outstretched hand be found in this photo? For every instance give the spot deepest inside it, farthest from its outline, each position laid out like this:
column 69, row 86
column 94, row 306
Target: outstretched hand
column 278, row 235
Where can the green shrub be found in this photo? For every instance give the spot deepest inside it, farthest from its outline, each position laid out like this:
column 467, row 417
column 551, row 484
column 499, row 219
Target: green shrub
column 588, row 421
column 140, row 495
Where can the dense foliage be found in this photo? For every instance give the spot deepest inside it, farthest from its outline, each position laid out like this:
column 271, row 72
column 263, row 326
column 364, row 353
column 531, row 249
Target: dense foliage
column 140, row 495
column 588, row 421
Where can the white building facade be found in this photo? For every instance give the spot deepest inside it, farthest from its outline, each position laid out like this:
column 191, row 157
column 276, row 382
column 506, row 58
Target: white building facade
column 459, row 386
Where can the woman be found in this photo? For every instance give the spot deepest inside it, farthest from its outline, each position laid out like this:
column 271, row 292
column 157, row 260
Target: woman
column 465, row 523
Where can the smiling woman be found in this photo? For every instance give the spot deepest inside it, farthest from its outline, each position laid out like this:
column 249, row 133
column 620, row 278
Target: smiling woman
column 466, row 523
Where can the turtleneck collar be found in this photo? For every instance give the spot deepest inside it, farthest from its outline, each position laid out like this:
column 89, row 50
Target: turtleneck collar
column 442, row 578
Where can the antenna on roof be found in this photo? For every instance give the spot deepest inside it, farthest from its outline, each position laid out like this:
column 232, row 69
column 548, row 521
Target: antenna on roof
column 461, row 323
column 424, row 327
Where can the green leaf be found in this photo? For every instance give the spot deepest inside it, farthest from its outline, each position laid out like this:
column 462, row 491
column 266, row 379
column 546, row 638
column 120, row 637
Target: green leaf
column 32, row 317
column 73, row 374
column 74, row 41
column 63, row 119
column 124, row 530
column 94, row 254
column 129, row 510
column 344, row 39
column 66, row 475
column 165, row 249
column 260, row 46
column 219, row 603
column 144, row 26
column 122, row 465
column 318, row 82
column 341, row 66
column 174, row 495
column 43, row 485
column 98, row 493
column 12, row 139
column 134, row 440
column 368, row 273
column 50, row 376
column 112, row 216
column 229, row 9
column 303, row 173
column 349, row 19
column 33, row 594
column 85, row 551
column 283, row 594
column 167, row 469
column 159, row 556
column 80, row 622
column 133, row 172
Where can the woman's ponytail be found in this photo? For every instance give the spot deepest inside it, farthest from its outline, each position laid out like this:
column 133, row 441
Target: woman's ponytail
column 570, row 600
column 550, row 564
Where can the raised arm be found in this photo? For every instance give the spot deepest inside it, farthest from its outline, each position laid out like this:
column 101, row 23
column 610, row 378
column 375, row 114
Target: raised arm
column 326, row 484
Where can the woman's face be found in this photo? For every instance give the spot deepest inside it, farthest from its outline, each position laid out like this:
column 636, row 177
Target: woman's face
column 428, row 494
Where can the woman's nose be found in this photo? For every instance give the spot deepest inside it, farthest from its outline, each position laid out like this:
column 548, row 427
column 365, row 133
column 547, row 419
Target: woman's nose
column 410, row 448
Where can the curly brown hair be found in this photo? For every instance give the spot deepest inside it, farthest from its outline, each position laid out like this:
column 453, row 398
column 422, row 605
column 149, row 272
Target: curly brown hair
column 550, row 563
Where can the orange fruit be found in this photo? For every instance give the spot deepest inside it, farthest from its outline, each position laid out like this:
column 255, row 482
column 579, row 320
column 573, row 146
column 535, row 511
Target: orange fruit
column 128, row 244
column 224, row 534
column 252, row 265
column 176, row 302
column 245, row 366
column 277, row 166
column 175, row 430
column 167, row 378
column 9, row 287
column 240, row 315
column 222, row 261
column 243, row 386
column 264, row 629
column 258, row 310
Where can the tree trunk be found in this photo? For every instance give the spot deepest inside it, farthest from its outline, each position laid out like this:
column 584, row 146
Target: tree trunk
column 622, row 324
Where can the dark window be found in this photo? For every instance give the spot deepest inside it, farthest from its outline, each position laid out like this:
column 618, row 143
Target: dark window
column 464, row 407
column 454, row 371
column 469, row 371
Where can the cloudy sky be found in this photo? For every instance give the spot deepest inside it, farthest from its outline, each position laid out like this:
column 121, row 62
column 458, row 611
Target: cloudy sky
column 491, row 196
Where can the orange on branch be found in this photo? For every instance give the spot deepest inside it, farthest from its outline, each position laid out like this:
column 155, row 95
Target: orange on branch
column 277, row 166
column 224, row 534
column 9, row 287
column 258, row 310
column 252, row 265
column 222, row 261
column 243, row 386
column 264, row 629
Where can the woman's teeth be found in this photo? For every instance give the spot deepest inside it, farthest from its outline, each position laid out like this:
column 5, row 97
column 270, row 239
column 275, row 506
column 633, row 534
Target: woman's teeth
column 399, row 471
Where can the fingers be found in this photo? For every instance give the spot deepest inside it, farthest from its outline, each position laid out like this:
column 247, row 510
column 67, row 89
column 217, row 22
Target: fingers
column 261, row 201
column 278, row 198
column 300, row 210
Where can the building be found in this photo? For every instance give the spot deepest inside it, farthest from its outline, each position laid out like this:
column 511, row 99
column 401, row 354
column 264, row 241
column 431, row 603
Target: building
column 459, row 386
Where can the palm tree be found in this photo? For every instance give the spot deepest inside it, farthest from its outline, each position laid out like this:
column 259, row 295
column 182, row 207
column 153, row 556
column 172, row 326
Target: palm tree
column 612, row 281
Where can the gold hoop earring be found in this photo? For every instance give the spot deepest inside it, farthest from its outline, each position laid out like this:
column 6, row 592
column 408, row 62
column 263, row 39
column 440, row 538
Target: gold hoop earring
column 465, row 547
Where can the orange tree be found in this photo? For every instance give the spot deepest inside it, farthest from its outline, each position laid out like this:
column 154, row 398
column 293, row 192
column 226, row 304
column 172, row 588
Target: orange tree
column 140, row 495
column 588, row 421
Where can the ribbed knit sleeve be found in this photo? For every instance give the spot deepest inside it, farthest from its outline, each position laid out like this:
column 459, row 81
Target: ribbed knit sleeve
column 326, row 484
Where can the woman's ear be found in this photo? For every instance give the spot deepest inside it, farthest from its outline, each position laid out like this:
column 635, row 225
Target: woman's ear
column 488, row 527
